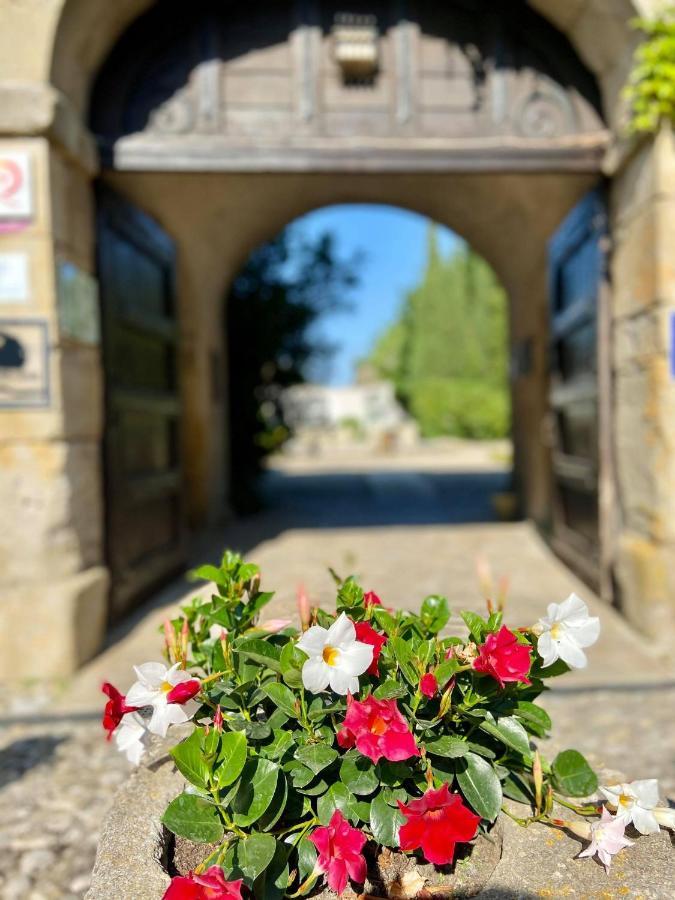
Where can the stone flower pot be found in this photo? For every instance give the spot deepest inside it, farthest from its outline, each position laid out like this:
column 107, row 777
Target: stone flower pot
column 136, row 852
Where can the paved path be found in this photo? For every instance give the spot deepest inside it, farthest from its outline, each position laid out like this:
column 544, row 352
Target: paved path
column 406, row 531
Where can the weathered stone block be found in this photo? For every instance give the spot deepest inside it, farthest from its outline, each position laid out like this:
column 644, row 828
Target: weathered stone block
column 61, row 622
column 51, row 494
column 643, row 270
column 601, row 34
column 646, row 576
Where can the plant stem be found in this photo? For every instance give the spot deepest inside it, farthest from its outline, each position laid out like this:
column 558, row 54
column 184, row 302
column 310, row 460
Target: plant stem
column 588, row 810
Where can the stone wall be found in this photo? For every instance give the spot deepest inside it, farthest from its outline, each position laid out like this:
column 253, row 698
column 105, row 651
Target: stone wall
column 53, row 580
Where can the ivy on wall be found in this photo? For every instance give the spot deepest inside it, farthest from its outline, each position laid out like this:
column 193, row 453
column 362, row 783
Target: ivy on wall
column 651, row 85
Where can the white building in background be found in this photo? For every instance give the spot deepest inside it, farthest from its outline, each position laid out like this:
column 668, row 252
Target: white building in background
column 361, row 413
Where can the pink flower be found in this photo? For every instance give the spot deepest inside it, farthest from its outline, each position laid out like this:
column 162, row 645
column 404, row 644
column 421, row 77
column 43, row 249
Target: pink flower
column 436, row 822
column 271, row 626
column 377, row 729
column 115, row 708
column 367, row 635
column 210, row 885
column 429, row 685
column 607, row 838
column 371, row 599
column 339, row 847
column 504, row 658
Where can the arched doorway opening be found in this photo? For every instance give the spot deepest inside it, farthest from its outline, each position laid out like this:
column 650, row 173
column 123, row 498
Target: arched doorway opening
column 224, row 127
column 365, row 340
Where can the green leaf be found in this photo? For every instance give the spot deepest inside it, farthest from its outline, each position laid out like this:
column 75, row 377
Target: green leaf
column 336, row 797
column 282, row 697
column 400, row 649
column 449, row 747
column 291, row 657
column 260, row 652
column 258, row 784
column 231, row 758
column 300, row 775
column 434, row 613
column 189, row 759
column 515, row 788
column 276, row 808
column 536, row 719
column 476, row 625
column 316, row 756
column 445, row 671
column 193, row 818
column 306, row 858
column 283, row 741
column 385, row 620
column 572, row 774
column 349, row 594
column 385, row 821
column 359, row 774
column 479, row 783
column 272, row 883
column 509, row 731
column 254, row 854
column 390, row 690
column 207, row 573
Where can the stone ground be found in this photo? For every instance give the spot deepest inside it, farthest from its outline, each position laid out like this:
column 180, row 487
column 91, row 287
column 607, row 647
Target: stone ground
column 408, row 527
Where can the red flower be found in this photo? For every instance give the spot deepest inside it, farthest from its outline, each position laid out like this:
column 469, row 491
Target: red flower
column 428, row 685
column 377, row 729
column 210, row 885
column 184, row 691
column 367, row 635
column 115, row 708
column 371, row 599
column 502, row 657
column 436, row 822
column 339, row 847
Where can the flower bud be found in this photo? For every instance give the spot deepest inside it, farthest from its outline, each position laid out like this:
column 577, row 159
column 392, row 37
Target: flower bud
column 218, row 720
column 304, row 609
column 538, row 780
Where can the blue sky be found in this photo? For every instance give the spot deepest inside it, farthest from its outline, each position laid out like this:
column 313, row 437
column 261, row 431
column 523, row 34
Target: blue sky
column 394, row 243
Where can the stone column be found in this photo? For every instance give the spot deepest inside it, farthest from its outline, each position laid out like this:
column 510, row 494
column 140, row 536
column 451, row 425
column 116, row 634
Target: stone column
column 53, row 581
column 643, row 273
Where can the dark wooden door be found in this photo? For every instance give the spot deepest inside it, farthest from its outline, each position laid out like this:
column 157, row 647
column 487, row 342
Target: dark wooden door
column 145, row 540
column 577, row 276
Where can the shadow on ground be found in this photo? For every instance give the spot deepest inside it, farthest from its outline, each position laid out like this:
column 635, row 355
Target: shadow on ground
column 23, row 755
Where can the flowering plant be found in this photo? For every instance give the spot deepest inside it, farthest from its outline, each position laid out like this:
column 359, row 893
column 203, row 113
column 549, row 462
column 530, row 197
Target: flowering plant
column 363, row 727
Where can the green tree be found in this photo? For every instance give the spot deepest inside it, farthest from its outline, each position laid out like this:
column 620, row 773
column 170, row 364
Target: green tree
column 447, row 353
column 283, row 288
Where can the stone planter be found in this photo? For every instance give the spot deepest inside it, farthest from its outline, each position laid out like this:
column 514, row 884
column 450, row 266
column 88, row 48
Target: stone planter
column 132, row 857
column 133, row 854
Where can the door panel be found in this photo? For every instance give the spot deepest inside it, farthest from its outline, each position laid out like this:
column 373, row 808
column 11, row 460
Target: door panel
column 576, row 274
column 145, row 539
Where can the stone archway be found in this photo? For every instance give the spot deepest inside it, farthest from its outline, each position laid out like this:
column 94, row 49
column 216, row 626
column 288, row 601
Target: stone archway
column 53, row 53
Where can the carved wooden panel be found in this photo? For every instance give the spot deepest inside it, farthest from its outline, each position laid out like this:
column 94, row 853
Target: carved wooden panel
column 266, row 75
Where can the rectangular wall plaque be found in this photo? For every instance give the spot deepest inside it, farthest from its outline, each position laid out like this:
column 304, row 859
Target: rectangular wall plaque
column 24, row 363
column 78, row 304
column 16, row 195
column 14, row 278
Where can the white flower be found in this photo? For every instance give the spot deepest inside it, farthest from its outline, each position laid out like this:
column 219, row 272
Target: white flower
column 607, row 838
column 565, row 630
column 665, row 816
column 635, row 803
column 168, row 691
column 130, row 736
column 336, row 658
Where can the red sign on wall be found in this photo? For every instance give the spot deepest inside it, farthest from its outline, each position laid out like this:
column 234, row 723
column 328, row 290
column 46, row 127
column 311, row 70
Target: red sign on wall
column 16, row 201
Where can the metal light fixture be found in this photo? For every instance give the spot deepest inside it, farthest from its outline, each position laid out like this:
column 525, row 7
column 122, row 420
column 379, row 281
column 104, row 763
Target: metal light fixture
column 356, row 47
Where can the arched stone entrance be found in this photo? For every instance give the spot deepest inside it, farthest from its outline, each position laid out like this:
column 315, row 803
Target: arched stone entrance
column 187, row 137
